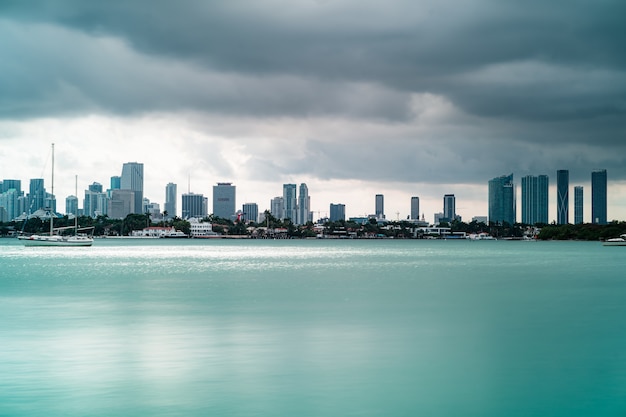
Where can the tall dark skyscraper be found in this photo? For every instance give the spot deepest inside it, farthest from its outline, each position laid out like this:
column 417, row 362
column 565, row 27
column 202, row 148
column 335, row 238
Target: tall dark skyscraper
column 36, row 195
column 598, row 197
column 224, row 200
column 502, row 200
column 415, row 208
column 562, row 196
column 337, row 212
column 170, row 200
column 449, row 207
column 535, row 199
column 380, row 206
column 578, row 204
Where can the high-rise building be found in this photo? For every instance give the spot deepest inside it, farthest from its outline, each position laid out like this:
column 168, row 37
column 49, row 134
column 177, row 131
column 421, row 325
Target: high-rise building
column 562, row 196
column 96, row 187
column 7, row 185
column 535, row 199
column 250, row 212
column 380, row 206
column 194, row 205
column 224, row 194
column 132, row 179
column 277, row 207
column 337, row 212
column 95, row 202
column 415, row 208
column 116, row 183
column 449, row 207
column 9, row 201
column 170, row 200
column 71, row 205
column 291, row 203
column 578, row 204
column 121, row 204
column 36, row 195
column 304, row 205
column 598, row 197
column 502, row 200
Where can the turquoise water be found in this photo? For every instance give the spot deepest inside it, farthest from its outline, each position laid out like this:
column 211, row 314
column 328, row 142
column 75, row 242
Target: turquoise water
column 313, row 328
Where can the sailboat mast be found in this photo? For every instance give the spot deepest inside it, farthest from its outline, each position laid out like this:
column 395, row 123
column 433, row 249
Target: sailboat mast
column 76, row 214
column 52, row 197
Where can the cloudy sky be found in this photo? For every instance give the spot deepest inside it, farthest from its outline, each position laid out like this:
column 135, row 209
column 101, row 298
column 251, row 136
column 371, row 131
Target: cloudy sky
column 354, row 98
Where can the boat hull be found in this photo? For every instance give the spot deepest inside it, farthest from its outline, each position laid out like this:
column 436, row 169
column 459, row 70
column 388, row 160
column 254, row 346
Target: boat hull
column 36, row 240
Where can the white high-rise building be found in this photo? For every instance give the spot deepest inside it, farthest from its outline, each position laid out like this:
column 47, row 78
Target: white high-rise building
column 277, row 207
column 304, row 205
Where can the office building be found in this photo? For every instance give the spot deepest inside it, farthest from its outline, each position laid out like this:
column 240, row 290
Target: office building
column 8, row 184
column 120, row 205
column 224, row 200
column 502, row 200
column 562, row 196
column 304, row 205
column 578, row 204
column 96, row 187
column 415, row 208
column 598, row 197
column 380, row 206
column 535, row 199
column 132, row 179
column 116, row 183
column 194, row 205
column 337, row 212
column 96, row 202
column 277, row 207
column 9, row 202
column 170, row 200
column 449, row 208
column 36, row 195
column 291, row 202
column 250, row 212
column 71, row 205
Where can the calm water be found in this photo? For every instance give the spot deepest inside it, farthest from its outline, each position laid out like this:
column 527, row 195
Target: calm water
column 313, row 328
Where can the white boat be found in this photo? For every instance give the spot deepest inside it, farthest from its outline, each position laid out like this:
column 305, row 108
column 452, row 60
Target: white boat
column 52, row 239
column 616, row 241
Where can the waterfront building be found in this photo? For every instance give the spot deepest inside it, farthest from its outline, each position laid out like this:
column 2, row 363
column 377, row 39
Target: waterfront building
column 449, row 207
column 337, row 212
column 277, row 207
column 380, row 206
column 224, row 194
column 562, row 196
column 502, row 200
column 9, row 203
column 194, row 205
column 415, row 208
column 116, row 182
column 599, row 197
column 8, row 184
column 71, row 205
column 36, row 195
column 120, row 205
column 578, row 204
column 170, row 200
column 250, row 212
column 304, row 205
column 535, row 199
column 291, row 203
column 132, row 179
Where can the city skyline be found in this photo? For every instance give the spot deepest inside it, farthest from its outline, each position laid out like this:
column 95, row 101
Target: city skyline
column 349, row 98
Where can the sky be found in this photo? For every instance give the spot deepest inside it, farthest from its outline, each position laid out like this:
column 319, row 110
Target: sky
column 354, row 98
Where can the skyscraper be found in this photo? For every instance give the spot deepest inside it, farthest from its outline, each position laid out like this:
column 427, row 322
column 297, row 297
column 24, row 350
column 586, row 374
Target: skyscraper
column 337, row 212
column 71, row 205
column 250, row 212
column 578, row 204
column 132, row 179
column 304, row 204
column 449, row 207
column 116, row 182
column 36, row 195
column 7, row 185
column 598, row 197
column 415, row 208
column 121, row 204
column 535, row 199
column 562, row 196
column 380, row 206
column 170, row 200
column 502, row 200
column 277, row 207
column 194, row 205
column 224, row 194
column 291, row 203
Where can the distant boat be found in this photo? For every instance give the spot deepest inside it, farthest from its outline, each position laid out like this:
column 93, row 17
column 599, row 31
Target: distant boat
column 616, row 241
column 52, row 239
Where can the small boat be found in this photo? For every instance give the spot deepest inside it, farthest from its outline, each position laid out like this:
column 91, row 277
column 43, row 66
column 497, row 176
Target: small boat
column 174, row 234
column 52, row 239
column 616, row 241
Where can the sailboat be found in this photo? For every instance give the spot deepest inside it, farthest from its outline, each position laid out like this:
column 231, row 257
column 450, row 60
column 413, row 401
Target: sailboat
column 52, row 239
